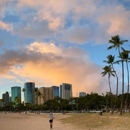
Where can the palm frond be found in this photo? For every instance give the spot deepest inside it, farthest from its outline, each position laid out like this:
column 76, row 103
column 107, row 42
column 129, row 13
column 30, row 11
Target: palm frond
column 110, row 47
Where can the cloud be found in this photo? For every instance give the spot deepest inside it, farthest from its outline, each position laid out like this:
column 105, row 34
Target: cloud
column 2, row 8
column 1, row 43
column 6, row 26
column 70, row 21
column 116, row 21
column 77, row 34
column 33, row 30
column 90, row 21
column 9, row 77
column 47, row 65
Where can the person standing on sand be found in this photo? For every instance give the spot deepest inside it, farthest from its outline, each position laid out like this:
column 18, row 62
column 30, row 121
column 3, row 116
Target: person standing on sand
column 51, row 117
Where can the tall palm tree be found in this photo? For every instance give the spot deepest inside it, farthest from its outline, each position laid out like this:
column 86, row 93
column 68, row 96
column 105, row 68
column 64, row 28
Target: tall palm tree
column 24, row 90
column 125, row 57
column 111, row 61
column 7, row 92
column 109, row 72
column 116, row 43
column 35, row 91
column 122, row 97
column 39, row 95
column 43, row 98
column 7, row 97
column 17, row 100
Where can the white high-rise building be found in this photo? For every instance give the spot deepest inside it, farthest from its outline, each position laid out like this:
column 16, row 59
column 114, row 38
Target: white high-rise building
column 65, row 91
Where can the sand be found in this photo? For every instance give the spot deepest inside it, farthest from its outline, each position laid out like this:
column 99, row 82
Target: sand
column 32, row 121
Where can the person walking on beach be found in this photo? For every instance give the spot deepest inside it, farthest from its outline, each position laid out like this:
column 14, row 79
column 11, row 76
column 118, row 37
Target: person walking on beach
column 51, row 117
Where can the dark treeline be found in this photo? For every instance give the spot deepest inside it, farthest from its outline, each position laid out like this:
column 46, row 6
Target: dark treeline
column 89, row 102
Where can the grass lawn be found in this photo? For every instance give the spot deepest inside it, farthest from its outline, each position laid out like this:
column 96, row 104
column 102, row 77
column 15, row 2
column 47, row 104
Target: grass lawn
column 94, row 121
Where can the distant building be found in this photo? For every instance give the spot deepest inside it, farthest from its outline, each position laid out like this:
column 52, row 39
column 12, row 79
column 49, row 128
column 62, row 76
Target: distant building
column 65, row 91
column 29, row 92
column 15, row 92
column 82, row 94
column 55, row 91
column 47, row 94
column 5, row 97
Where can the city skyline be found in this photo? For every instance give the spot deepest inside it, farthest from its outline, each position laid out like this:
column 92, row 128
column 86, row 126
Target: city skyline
column 17, row 91
column 52, row 42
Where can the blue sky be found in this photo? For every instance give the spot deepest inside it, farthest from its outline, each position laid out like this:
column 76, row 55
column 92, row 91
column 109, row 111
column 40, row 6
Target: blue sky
column 51, row 42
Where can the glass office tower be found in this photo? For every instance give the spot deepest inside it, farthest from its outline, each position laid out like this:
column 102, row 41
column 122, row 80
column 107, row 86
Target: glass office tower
column 56, row 91
column 29, row 92
column 15, row 92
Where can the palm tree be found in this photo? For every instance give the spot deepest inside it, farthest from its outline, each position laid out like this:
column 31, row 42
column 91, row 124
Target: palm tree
column 108, row 70
column 115, row 40
column 7, row 92
column 17, row 100
column 125, row 57
column 122, row 97
column 111, row 61
column 116, row 43
column 39, row 95
column 43, row 98
column 7, row 98
column 24, row 90
column 35, row 91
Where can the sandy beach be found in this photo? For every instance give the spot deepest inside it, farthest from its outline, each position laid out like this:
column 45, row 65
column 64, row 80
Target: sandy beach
column 32, row 121
column 11, row 121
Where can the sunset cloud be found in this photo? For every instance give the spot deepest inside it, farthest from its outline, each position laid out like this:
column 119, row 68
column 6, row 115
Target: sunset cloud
column 47, row 65
column 54, row 41
column 117, row 21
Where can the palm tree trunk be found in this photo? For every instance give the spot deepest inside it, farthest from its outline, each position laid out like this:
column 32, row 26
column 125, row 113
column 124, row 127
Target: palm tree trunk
column 122, row 100
column 24, row 99
column 110, row 91
column 126, row 102
column 116, row 90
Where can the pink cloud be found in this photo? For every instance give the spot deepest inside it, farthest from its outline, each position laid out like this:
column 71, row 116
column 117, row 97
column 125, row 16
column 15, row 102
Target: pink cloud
column 5, row 26
column 47, row 65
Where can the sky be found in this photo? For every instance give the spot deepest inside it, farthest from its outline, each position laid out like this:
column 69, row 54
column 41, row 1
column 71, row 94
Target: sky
column 50, row 42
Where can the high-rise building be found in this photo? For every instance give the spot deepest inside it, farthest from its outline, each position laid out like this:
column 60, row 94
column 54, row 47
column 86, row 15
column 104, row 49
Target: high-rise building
column 46, row 94
column 15, row 92
column 5, row 97
column 29, row 92
column 55, row 91
column 65, row 91
column 81, row 94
